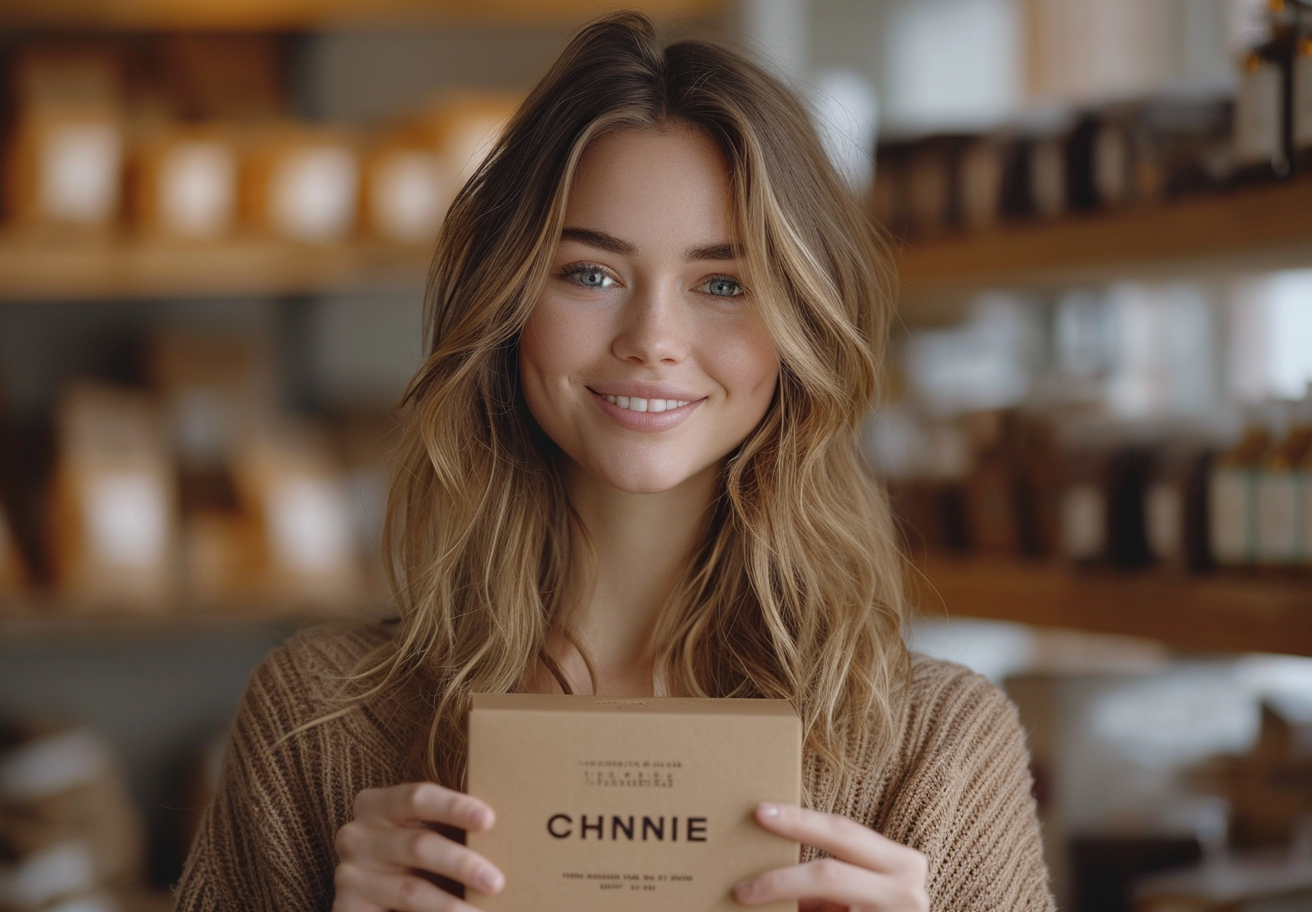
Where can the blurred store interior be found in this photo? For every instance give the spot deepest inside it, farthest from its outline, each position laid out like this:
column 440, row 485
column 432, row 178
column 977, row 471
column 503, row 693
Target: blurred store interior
column 1098, row 431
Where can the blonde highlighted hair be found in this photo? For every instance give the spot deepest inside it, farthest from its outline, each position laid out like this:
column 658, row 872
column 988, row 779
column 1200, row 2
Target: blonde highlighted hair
column 795, row 592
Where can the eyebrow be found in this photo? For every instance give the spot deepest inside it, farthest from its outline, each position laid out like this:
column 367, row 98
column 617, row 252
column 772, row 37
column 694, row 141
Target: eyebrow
column 603, row 241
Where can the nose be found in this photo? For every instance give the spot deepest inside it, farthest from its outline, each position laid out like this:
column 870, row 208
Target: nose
column 654, row 328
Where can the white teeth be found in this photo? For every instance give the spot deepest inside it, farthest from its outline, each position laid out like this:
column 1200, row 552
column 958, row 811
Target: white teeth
column 636, row 404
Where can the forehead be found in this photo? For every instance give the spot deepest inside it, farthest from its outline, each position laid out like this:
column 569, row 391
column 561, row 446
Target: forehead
column 655, row 184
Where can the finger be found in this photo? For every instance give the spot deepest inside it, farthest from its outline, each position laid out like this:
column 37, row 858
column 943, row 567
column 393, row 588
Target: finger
column 397, row 892
column 425, row 802
column 831, row 880
column 427, row 851
column 841, row 837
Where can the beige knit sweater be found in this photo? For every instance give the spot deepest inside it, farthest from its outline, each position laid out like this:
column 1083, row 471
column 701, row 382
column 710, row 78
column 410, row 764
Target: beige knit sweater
column 957, row 787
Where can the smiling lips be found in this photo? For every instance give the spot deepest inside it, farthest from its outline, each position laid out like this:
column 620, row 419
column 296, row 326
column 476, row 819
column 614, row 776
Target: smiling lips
column 638, row 404
column 642, row 413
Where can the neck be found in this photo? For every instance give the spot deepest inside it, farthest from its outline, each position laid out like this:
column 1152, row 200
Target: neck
column 643, row 543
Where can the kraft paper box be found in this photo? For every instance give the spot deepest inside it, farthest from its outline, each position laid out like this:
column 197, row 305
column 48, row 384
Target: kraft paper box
column 616, row 804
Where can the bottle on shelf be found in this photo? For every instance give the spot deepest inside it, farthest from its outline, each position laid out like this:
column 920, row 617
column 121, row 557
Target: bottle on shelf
column 1301, row 89
column 1232, row 497
column 1175, row 502
column 1262, row 113
column 1279, row 489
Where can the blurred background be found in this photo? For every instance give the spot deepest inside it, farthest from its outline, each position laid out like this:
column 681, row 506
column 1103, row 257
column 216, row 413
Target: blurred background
column 216, row 220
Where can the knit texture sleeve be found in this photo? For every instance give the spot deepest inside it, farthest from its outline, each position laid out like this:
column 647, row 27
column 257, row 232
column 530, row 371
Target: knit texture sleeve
column 266, row 842
column 964, row 797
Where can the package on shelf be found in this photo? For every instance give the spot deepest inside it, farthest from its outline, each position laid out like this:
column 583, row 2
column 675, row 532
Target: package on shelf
column 66, row 144
column 68, row 828
column 288, row 479
column 183, row 182
column 463, row 126
column 209, row 386
column 301, row 182
column 408, row 185
column 113, row 502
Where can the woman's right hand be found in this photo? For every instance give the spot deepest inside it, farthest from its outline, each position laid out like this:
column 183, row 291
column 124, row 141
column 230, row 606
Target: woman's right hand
column 390, row 845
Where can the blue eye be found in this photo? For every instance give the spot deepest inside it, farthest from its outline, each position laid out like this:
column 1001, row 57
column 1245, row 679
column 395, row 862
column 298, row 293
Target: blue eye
column 589, row 276
column 722, row 287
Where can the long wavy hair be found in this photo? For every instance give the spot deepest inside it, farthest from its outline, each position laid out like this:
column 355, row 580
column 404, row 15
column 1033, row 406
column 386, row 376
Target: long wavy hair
column 796, row 592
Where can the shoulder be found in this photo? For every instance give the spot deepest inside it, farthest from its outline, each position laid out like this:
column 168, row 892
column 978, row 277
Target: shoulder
column 947, row 702
column 961, row 748
column 317, row 657
column 311, row 679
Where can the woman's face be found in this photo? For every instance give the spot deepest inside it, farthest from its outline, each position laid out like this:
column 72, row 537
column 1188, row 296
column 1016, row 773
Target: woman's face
column 645, row 359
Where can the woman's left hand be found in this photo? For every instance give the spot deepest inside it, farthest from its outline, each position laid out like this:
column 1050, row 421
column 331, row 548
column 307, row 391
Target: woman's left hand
column 867, row 873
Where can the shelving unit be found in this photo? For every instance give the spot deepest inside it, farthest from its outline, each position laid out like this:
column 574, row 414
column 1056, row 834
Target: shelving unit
column 1229, row 611
column 45, row 271
column 298, row 14
column 31, row 623
column 1258, row 227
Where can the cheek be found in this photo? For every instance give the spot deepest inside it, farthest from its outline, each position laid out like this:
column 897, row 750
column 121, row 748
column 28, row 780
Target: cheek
column 750, row 363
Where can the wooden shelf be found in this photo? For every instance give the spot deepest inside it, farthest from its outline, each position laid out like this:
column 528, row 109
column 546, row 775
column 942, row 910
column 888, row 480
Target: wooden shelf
column 1258, row 611
column 23, row 624
column 31, row 271
column 297, row 14
column 1258, row 227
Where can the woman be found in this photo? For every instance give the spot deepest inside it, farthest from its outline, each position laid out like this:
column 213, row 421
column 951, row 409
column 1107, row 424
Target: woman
column 630, row 466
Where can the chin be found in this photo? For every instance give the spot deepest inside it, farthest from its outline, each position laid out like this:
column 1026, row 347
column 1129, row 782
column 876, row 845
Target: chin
column 636, row 478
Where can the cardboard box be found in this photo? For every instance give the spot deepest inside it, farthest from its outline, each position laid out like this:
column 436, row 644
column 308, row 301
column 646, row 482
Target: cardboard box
column 614, row 804
column 113, row 524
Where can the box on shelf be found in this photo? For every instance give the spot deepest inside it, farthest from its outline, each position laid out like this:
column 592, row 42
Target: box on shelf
column 66, row 145
column 184, row 182
column 463, row 126
column 610, row 803
column 408, row 185
column 302, row 183
column 288, row 479
column 113, row 503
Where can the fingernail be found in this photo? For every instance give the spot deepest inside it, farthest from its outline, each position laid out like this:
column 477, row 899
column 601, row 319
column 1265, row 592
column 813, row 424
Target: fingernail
column 743, row 889
column 483, row 818
column 769, row 810
column 490, row 881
